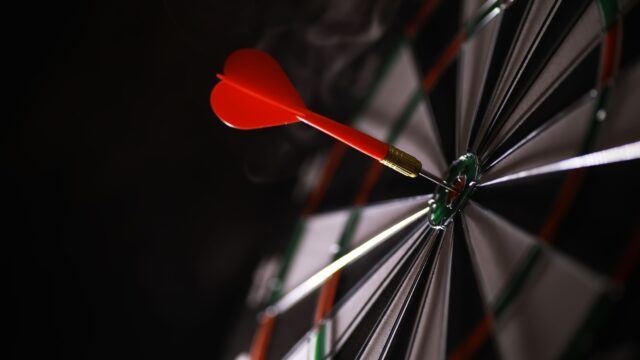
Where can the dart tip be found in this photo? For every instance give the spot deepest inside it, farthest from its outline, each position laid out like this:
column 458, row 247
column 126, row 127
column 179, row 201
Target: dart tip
column 429, row 176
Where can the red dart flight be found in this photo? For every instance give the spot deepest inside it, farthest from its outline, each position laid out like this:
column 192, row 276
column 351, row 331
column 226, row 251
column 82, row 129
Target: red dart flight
column 254, row 93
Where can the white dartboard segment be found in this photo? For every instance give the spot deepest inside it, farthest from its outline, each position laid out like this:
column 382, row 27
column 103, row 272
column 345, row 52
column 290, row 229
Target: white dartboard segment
column 553, row 296
column 395, row 90
column 538, row 16
column 497, row 248
column 583, row 37
column 319, row 240
column 380, row 337
column 348, row 313
column 474, row 60
column 430, row 334
column 562, row 139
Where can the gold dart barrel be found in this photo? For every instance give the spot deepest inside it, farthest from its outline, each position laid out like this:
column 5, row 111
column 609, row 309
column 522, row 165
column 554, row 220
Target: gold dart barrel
column 402, row 162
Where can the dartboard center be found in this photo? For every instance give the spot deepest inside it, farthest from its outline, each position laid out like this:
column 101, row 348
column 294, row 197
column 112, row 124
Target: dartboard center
column 462, row 177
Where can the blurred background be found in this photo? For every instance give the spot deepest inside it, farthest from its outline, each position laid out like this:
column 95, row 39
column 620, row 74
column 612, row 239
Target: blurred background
column 133, row 225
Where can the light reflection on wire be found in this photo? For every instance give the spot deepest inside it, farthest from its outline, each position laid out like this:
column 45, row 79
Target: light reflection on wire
column 609, row 156
column 312, row 283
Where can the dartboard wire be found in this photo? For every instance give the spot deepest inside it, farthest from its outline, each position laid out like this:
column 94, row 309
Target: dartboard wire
column 500, row 95
column 466, row 76
column 608, row 68
column 424, row 252
column 492, row 141
column 443, row 258
column 425, row 236
column 310, row 284
column 610, row 38
column 407, row 245
column 616, row 154
column 491, row 126
column 500, row 131
column 427, row 269
column 422, row 236
column 559, row 117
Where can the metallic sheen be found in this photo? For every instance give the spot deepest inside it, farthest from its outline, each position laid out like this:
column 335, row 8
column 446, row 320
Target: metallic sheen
column 402, row 162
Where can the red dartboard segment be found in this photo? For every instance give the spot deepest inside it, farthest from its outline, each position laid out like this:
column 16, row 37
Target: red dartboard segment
column 255, row 93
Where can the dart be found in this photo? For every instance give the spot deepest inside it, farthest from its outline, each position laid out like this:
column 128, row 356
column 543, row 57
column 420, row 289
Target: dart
column 254, row 93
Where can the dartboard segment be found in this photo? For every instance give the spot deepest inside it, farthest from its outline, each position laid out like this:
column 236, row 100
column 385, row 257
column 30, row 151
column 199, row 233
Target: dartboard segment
column 564, row 137
column 354, row 307
column 324, row 235
column 474, row 61
column 536, row 19
column 399, row 112
column 380, row 341
column 558, row 139
column 527, row 286
column 429, row 335
column 585, row 35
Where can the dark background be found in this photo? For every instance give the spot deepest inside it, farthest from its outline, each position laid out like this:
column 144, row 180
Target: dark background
column 133, row 228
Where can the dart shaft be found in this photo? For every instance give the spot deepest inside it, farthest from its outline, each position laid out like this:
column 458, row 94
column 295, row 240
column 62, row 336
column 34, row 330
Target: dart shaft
column 388, row 155
column 429, row 176
column 348, row 135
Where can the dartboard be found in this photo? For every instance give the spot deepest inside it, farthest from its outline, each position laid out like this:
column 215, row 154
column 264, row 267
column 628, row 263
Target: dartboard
column 527, row 111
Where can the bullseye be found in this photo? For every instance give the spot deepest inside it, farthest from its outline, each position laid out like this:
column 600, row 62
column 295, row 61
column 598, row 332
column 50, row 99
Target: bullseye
column 462, row 177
